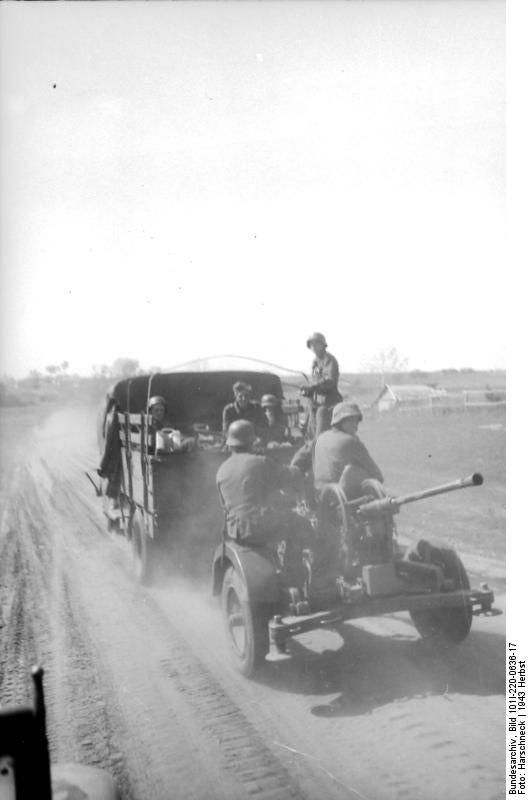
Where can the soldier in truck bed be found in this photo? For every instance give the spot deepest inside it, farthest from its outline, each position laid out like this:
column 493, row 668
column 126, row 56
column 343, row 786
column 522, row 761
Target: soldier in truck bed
column 243, row 408
column 161, row 418
column 276, row 431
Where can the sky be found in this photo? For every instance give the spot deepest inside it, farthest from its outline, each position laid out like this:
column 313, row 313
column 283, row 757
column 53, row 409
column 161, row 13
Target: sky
column 187, row 179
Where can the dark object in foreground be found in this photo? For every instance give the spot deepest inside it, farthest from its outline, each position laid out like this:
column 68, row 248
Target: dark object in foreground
column 25, row 772
column 356, row 569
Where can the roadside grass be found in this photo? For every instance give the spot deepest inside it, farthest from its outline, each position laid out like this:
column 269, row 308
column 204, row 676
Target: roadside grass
column 418, row 451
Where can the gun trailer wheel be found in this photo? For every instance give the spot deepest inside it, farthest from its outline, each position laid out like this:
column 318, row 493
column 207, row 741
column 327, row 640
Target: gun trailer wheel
column 449, row 624
column 246, row 625
column 142, row 551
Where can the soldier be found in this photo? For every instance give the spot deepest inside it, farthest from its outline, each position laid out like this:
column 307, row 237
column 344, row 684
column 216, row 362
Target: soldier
column 159, row 411
column 340, row 447
column 322, row 391
column 243, row 408
column 158, row 408
column 110, row 468
column 276, row 431
column 250, row 486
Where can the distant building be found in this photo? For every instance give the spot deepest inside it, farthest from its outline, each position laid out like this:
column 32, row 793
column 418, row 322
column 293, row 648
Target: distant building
column 406, row 396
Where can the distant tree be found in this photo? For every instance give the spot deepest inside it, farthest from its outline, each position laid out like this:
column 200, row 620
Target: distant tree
column 34, row 378
column 386, row 362
column 64, row 366
column 101, row 371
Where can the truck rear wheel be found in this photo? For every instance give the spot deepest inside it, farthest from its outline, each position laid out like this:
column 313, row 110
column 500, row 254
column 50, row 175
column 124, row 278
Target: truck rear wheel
column 450, row 624
column 143, row 548
column 246, row 625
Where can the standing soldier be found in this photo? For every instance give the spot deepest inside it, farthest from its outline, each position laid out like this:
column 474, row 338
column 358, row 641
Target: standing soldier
column 322, row 391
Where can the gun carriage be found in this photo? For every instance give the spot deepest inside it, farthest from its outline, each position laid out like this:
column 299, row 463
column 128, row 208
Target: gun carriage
column 357, row 569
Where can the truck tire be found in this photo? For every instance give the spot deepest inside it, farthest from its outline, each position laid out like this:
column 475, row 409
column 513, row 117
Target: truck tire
column 246, row 625
column 448, row 624
column 143, row 549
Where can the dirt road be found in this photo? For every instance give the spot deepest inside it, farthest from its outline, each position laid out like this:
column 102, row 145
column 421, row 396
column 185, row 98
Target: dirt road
column 138, row 681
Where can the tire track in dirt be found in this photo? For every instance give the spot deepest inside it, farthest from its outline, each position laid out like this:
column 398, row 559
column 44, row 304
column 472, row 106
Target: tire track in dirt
column 121, row 615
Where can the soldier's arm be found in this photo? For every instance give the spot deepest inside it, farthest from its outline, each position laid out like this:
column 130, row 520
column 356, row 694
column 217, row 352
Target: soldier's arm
column 112, row 448
column 279, row 477
column 362, row 458
column 302, row 459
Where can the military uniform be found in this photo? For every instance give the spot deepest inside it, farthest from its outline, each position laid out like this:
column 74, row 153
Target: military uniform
column 333, row 451
column 249, row 486
column 252, row 413
column 325, row 394
column 111, row 467
column 276, row 431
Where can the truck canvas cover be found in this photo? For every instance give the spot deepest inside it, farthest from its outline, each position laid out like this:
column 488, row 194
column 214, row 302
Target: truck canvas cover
column 193, row 397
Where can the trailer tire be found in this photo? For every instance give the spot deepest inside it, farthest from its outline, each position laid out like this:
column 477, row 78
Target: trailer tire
column 246, row 624
column 448, row 624
column 143, row 549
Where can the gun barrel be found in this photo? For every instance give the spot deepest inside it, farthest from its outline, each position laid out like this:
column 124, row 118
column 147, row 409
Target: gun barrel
column 475, row 479
column 392, row 504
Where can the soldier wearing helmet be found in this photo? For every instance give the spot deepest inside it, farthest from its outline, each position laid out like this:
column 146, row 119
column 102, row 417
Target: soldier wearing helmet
column 341, row 447
column 157, row 408
column 322, row 390
column 276, row 430
column 243, row 408
column 250, row 487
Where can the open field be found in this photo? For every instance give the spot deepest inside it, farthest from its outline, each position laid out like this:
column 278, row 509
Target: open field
column 138, row 681
column 416, row 451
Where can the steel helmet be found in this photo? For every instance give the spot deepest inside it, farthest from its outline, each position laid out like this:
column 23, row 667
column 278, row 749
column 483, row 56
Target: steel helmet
column 269, row 401
column 157, row 400
column 242, row 386
column 240, row 433
column 316, row 337
column 345, row 411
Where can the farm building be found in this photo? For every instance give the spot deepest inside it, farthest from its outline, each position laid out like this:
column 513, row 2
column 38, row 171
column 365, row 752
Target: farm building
column 402, row 396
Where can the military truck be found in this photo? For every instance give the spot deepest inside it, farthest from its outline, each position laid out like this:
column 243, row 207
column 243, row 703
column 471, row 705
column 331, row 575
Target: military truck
column 166, row 501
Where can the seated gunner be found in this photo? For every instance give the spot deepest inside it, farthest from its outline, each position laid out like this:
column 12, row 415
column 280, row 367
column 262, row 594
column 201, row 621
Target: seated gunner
column 341, row 447
column 250, row 486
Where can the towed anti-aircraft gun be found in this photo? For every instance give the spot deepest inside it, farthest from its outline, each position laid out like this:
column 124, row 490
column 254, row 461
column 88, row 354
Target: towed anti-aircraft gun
column 357, row 569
